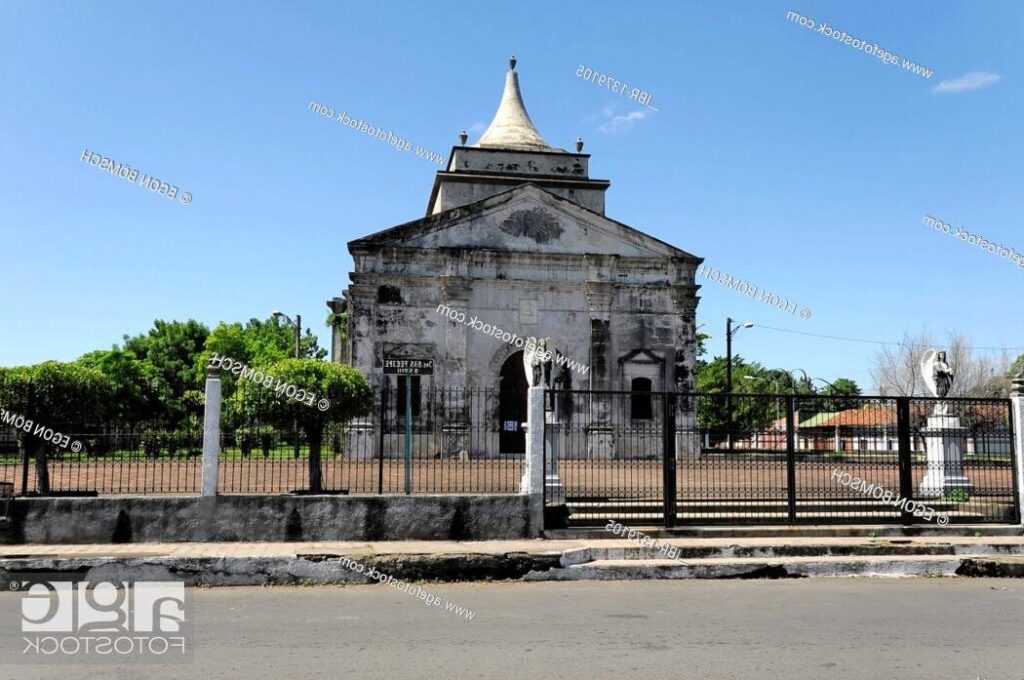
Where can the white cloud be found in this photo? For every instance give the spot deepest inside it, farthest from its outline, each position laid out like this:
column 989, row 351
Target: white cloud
column 476, row 128
column 975, row 80
column 620, row 122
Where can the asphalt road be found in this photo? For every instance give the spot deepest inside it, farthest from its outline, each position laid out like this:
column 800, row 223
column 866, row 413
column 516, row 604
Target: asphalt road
column 816, row 628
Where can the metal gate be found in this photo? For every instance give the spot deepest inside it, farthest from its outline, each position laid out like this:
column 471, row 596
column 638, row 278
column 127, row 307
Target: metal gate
column 671, row 459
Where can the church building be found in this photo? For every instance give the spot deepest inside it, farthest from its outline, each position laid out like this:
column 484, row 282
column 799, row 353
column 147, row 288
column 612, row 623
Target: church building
column 516, row 237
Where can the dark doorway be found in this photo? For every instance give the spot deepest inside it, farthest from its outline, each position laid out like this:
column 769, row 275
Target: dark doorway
column 512, row 405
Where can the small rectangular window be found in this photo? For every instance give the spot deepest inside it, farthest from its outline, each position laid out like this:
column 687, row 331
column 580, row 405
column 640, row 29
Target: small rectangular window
column 389, row 295
column 640, row 407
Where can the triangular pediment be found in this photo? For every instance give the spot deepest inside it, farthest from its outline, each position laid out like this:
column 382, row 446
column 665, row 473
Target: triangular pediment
column 524, row 219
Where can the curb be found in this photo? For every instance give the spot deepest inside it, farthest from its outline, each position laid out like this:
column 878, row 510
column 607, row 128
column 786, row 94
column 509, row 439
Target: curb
column 332, row 569
column 303, row 569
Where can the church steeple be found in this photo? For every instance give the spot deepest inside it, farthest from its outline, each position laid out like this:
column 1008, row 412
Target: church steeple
column 512, row 127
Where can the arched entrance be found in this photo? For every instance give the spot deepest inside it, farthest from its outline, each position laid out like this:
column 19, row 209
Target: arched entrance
column 512, row 405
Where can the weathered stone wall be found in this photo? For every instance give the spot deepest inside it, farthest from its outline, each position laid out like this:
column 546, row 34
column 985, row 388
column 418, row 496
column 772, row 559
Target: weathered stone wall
column 269, row 518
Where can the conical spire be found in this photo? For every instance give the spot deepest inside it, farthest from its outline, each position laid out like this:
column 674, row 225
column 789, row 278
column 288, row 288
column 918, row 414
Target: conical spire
column 512, row 127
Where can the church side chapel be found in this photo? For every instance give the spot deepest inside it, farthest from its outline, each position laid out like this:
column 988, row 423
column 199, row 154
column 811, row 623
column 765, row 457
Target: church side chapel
column 515, row 234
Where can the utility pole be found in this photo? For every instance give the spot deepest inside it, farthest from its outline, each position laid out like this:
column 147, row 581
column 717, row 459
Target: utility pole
column 729, row 331
column 298, row 355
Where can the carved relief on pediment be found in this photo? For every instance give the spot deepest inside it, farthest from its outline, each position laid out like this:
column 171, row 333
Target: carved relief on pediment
column 536, row 224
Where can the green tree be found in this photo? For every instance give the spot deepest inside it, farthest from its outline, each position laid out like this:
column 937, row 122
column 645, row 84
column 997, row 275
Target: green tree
column 347, row 393
column 841, row 387
column 749, row 413
column 137, row 393
column 172, row 349
column 67, row 398
column 257, row 343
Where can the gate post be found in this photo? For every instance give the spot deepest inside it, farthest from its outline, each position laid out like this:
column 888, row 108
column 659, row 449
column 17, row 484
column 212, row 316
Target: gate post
column 532, row 483
column 790, row 459
column 211, row 431
column 903, row 446
column 668, row 465
column 1017, row 425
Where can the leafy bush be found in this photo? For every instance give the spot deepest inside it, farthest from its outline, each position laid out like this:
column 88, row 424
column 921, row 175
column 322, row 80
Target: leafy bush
column 959, row 496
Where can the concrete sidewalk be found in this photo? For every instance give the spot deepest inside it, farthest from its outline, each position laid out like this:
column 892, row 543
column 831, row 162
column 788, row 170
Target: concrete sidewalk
column 531, row 560
column 967, row 544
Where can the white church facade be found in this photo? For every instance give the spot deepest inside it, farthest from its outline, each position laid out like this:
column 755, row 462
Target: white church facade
column 516, row 236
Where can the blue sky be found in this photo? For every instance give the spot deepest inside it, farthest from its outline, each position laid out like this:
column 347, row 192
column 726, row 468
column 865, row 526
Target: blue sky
column 781, row 156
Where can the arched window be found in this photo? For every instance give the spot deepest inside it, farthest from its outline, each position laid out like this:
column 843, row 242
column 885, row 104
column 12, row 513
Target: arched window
column 640, row 401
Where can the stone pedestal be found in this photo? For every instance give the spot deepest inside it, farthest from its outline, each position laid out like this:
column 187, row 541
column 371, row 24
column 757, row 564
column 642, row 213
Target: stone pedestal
column 944, row 439
column 361, row 440
column 455, row 440
column 554, row 490
column 600, row 442
column 1017, row 407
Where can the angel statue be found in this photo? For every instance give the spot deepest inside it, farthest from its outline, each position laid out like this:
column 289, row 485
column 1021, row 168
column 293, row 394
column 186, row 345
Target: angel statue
column 536, row 360
column 937, row 374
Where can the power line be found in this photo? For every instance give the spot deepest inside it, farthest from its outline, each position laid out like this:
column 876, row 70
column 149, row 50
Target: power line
column 875, row 342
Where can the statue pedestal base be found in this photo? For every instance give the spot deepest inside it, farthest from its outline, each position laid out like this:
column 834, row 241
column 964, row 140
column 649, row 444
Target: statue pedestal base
column 944, row 439
column 455, row 439
column 554, row 490
column 600, row 442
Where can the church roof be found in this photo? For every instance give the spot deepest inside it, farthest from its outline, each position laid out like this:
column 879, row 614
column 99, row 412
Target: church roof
column 512, row 127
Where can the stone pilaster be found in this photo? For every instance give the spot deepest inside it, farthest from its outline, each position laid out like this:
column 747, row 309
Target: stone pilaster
column 362, row 303
column 684, row 309
column 600, row 434
column 455, row 292
column 339, row 341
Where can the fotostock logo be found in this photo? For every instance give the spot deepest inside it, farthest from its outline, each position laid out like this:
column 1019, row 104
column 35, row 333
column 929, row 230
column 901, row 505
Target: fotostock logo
column 109, row 620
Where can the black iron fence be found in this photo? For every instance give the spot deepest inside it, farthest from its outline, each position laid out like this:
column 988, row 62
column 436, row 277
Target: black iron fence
column 668, row 458
column 643, row 457
column 460, row 441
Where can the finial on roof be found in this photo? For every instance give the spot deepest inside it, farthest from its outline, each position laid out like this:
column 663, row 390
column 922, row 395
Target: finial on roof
column 579, row 144
column 512, row 127
column 463, row 137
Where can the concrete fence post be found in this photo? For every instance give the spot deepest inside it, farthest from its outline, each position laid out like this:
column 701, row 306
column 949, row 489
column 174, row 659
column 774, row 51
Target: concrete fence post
column 532, row 483
column 1017, row 407
column 211, row 432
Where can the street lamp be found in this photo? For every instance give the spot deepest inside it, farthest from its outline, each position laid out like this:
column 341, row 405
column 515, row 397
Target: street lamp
column 792, row 380
column 298, row 354
column 298, row 329
column 827, row 383
column 730, row 330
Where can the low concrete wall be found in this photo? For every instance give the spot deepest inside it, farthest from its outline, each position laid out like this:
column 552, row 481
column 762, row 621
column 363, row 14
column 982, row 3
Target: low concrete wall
column 269, row 518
